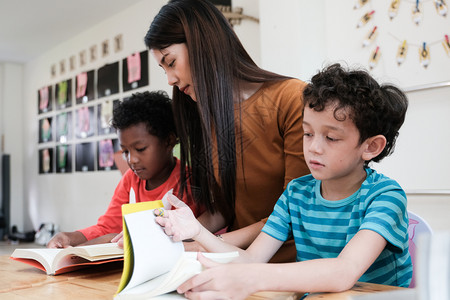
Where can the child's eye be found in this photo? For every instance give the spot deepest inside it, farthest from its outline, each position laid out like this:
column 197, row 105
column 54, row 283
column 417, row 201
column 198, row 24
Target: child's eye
column 331, row 139
column 141, row 149
column 171, row 64
column 307, row 134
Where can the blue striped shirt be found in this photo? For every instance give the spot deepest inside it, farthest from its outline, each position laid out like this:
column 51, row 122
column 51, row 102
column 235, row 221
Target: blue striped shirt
column 321, row 228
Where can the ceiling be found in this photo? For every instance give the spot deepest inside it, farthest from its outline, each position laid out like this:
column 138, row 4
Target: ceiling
column 29, row 28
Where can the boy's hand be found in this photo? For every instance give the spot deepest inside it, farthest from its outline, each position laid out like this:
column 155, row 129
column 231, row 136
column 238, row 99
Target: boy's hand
column 180, row 223
column 107, row 238
column 220, row 281
column 60, row 240
column 118, row 239
column 66, row 239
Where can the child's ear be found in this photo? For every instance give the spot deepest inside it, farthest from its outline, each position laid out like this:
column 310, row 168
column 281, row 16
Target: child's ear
column 171, row 140
column 373, row 146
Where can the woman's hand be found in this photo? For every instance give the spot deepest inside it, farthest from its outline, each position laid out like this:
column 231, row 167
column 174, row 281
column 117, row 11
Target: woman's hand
column 179, row 223
column 220, row 281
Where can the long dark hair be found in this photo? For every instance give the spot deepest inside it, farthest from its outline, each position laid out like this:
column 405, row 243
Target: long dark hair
column 218, row 63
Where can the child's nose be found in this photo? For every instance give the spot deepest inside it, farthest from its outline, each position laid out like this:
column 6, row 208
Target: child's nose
column 132, row 158
column 315, row 146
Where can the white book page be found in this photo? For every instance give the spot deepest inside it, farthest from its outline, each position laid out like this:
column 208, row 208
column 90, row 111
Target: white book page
column 185, row 268
column 90, row 252
column 47, row 255
column 100, row 250
column 154, row 252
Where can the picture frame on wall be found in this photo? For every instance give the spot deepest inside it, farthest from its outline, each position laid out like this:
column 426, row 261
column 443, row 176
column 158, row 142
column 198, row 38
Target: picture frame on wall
column 45, row 99
column 45, row 130
column 135, row 71
column 63, row 158
column 104, row 116
column 63, row 94
column 46, row 161
column 85, row 122
column 64, row 127
column 84, row 157
column 84, row 87
column 106, row 150
column 108, row 80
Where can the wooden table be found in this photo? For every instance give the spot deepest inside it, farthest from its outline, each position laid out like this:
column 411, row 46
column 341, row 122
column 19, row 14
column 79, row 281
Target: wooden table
column 21, row 281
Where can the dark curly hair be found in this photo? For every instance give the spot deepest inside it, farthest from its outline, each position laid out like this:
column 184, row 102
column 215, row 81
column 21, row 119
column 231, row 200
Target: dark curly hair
column 152, row 108
column 374, row 109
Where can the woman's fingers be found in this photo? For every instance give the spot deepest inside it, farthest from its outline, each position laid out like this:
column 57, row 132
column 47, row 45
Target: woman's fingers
column 175, row 201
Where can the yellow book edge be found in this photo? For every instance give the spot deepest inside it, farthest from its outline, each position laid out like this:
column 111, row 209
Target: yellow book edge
column 127, row 246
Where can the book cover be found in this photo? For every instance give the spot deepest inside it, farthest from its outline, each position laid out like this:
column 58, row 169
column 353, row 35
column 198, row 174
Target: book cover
column 154, row 265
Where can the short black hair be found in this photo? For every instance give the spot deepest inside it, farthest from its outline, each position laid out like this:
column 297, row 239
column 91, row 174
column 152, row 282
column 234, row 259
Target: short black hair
column 151, row 108
column 374, row 109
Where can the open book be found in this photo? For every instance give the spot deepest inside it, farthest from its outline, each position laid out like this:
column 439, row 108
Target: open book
column 153, row 264
column 58, row 261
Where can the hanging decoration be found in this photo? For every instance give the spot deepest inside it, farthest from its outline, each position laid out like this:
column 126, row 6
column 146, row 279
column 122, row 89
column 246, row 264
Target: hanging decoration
column 370, row 37
column 360, row 3
column 393, row 8
column 417, row 15
column 446, row 44
column 424, row 53
column 441, row 7
column 401, row 52
column 423, row 48
column 374, row 57
column 364, row 19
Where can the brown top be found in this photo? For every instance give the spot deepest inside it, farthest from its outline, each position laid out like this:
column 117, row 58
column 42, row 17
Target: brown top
column 272, row 143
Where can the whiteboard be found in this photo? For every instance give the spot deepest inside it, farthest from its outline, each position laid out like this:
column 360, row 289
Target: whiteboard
column 421, row 158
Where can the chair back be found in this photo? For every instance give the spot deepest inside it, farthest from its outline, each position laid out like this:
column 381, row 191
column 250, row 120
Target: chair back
column 417, row 226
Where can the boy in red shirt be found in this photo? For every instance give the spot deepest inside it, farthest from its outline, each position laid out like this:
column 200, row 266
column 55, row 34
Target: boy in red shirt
column 147, row 136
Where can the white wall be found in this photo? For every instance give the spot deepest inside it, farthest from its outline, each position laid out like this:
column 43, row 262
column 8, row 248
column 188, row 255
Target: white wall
column 11, row 127
column 344, row 40
column 294, row 37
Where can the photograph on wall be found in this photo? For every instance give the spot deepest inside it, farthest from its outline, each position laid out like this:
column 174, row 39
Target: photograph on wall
column 135, row 71
column 106, row 150
column 85, row 122
column 104, row 116
column 84, row 157
column 45, row 99
column 108, row 80
column 64, row 127
column 46, row 161
column 63, row 158
column 84, row 87
column 45, row 130
column 63, row 94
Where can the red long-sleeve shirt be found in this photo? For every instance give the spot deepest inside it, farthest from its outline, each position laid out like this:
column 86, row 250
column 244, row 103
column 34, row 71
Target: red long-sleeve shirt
column 111, row 221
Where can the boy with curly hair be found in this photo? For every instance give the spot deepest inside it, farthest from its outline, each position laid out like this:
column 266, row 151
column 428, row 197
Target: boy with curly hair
column 349, row 222
column 146, row 132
